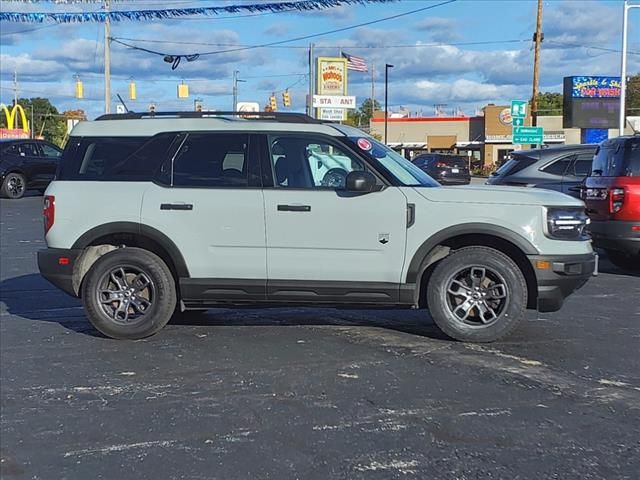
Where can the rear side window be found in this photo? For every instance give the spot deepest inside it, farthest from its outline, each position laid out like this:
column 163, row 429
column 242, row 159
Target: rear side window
column 114, row 158
column 212, row 160
column 515, row 165
column 582, row 166
column 618, row 159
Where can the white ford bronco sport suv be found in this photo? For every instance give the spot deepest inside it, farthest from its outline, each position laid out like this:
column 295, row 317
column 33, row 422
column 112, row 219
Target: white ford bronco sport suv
column 154, row 214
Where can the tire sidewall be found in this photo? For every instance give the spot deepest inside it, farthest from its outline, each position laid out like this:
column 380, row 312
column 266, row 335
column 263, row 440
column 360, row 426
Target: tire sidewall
column 161, row 309
column 489, row 258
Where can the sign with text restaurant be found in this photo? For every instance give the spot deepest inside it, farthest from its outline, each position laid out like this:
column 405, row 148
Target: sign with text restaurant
column 332, row 80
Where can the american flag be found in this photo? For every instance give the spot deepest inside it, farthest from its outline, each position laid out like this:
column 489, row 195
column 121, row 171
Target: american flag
column 355, row 63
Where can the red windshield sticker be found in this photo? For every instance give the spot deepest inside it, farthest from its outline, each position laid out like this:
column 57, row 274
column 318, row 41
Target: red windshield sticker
column 364, row 144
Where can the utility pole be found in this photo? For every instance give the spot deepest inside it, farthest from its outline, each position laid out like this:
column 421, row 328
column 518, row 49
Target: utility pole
column 373, row 91
column 107, row 58
column 387, row 66
column 623, row 66
column 15, row 87
column 235, row 91
column 311, row 82
column 537, row 38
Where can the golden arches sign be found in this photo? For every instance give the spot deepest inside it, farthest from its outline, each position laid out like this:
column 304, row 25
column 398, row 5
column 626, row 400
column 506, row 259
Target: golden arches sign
column 11, row 116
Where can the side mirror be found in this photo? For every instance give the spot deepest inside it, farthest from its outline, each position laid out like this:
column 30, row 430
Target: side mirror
column 359, row 181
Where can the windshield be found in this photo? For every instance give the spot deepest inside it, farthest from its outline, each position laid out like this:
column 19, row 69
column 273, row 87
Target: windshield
column 405, row 172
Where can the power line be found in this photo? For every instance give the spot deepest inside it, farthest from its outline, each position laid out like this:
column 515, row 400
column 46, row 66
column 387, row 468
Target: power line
column 306, row 47
column 280, row 42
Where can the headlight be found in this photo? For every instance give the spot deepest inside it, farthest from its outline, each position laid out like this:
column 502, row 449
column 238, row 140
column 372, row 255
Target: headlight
column 567, row 223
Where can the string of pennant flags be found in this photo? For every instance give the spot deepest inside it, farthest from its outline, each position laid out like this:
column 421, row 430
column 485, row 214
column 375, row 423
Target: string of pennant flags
column 168, row 13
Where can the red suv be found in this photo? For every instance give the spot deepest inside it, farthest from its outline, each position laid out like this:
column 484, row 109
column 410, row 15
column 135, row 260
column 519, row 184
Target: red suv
column 612, row 196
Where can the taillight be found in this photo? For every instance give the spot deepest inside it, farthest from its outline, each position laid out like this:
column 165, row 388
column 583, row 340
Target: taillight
column 49, row 212
column 616, row 199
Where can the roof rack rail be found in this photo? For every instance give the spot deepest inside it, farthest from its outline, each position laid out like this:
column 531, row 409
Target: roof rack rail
column 273, row 116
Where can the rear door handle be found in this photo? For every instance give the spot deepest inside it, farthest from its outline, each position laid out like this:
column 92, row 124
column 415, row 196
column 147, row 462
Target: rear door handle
column 176, row 206
column 294, row 208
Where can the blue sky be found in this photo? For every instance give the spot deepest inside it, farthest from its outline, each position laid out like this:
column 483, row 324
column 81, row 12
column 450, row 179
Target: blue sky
column 450, row 70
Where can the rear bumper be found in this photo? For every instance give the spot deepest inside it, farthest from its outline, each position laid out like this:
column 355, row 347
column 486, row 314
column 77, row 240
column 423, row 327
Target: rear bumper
column 564, row 275
column 616, row 235
column 61, row 275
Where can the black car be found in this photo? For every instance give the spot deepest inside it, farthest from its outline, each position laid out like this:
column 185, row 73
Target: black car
column 26, row 164
column 562, row 168
column 445, row 168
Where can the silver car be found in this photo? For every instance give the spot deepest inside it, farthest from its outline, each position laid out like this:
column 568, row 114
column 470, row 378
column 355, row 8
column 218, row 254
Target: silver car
column 561, row 168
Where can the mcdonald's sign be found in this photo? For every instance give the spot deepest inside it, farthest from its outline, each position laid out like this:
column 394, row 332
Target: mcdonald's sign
column 12, row 117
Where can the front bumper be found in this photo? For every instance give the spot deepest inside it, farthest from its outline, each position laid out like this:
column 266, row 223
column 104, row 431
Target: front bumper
column 59, row 271
column 558, row 276
column 616, row 235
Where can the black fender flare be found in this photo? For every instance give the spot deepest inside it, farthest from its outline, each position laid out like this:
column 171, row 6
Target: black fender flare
column 137, row 229
column 422, row 255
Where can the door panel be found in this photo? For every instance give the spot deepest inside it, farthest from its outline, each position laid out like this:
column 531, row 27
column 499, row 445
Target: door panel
column 220, row 232
column 318, row 232
column 211, row 208
column 338, row 237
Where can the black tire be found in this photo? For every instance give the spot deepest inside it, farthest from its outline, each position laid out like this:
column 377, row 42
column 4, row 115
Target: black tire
column 493, row 310
column 625, row 262
column 14, row 186
column 146, row 311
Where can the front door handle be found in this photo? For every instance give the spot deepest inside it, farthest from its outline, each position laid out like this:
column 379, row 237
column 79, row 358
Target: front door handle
column 294, row 208
column 176, row 206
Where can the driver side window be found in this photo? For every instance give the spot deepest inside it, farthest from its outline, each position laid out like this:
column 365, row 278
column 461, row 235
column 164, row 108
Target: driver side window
column 308, row 163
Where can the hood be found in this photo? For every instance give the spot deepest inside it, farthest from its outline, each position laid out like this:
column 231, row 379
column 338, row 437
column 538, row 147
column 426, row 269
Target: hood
column 501, row 195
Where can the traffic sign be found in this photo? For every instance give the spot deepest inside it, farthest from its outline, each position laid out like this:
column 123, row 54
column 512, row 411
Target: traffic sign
column 517, row 122
column 518, row 108
column 532, row 135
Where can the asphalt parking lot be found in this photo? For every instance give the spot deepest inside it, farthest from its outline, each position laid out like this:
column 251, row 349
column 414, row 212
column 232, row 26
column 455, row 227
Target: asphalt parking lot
column 295, row 393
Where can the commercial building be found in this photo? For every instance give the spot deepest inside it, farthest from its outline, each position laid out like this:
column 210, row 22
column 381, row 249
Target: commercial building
column 485, row 138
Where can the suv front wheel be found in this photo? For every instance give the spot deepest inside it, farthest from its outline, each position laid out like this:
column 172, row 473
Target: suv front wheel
column 477, row 294
column 129, row 293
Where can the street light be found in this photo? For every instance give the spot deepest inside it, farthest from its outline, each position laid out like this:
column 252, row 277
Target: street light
column 386, row 98
column 235, row 89
column 623, row 67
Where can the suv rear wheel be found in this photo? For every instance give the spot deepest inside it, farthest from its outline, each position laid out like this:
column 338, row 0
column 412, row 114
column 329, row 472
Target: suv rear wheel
column 129, row 293
column 477, row 294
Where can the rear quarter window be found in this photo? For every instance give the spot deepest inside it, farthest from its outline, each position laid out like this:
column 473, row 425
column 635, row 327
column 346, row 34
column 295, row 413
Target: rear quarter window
column 515, row 165
column 114, row 158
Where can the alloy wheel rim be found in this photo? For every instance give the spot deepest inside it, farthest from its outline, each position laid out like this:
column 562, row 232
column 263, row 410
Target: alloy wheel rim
column 476, row 295
column 16, row 186
column 125, row 294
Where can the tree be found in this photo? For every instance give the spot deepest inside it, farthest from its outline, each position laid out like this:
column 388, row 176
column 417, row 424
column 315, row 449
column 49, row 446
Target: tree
column 360, row 117
column 633, row 96
column 46, row 120
column 549, row 103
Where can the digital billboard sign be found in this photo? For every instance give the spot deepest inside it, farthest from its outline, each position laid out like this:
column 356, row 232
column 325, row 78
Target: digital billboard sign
column 591, row 102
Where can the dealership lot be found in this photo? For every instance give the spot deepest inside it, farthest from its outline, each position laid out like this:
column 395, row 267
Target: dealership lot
column 310, row 393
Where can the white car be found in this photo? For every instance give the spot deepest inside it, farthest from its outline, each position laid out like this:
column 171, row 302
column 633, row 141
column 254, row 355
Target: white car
column 152, row 215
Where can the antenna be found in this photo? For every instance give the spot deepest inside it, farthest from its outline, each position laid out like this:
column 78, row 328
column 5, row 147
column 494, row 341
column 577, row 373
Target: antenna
column 123, row 104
